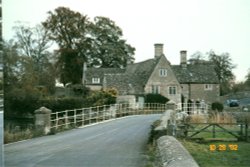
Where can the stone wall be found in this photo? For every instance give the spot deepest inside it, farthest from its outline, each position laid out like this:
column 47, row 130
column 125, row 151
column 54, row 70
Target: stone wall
column 197, row 91
column 173, row 153
column 164, row 81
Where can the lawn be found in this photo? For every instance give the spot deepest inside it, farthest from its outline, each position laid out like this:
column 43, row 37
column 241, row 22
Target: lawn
column 226, row 154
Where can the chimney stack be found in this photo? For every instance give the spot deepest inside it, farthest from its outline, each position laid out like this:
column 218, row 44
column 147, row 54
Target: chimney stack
column 183, row 54
column 158, row 50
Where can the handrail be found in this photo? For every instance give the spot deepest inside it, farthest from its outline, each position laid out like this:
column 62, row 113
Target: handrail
column 84, row 116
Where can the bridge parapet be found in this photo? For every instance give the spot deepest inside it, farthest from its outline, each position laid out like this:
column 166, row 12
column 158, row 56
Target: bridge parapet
column 86, row 116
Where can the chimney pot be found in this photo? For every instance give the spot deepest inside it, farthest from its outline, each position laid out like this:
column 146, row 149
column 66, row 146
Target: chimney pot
column 183, row 54
column 158, row 50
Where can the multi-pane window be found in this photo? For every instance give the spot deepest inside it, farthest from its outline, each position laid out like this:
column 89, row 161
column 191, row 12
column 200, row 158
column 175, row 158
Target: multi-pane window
column 155, row 89
column 95, row 80
column 172, row 90
column 163, row 72
column 208, row 87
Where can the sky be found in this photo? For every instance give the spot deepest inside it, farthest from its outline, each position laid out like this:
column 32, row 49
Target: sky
column 193, row 25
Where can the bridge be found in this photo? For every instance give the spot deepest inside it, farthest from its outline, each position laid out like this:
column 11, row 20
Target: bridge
column 107, row 136
column 120, row 142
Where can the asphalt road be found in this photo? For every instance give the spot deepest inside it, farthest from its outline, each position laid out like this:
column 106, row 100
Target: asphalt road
column 119, row 143
column 1, row 138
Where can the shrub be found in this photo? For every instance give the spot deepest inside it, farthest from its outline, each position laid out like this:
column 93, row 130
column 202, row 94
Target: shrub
column 98, row 98
column 155, row 98
column 61, row 104
column 80, row 89
column 217, row 106
column 20, row 102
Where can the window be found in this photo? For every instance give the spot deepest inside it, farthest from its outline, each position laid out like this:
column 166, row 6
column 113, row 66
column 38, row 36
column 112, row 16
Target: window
column 155, row 89
column 208, row 87
column 163, row 72
column 172, row 90
column 95, row 80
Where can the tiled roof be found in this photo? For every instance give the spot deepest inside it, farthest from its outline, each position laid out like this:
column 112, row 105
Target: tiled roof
column 132, row 79
column 142, row 70
column 99, row 73
column 124, row 83
column 195, row 73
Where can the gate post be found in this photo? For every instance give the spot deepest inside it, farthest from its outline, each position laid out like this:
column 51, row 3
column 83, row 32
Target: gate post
column 171, row 105
column 42, row 120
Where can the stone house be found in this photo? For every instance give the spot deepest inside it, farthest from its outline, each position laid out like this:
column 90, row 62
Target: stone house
column 176, row 82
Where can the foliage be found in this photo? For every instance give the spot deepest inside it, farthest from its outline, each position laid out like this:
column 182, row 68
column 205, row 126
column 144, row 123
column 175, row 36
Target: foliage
column 26, row 60
column 80, row 89
column 67, row 28
column 107, row 35
column 243, row 85
column 112, row 91
column 33, row 42
column 197, row 58
column 99, row 98
column 223, row 68
column 61, row 104
column 1, row 85
column 24, row 85
column 21, row 101
column 155, row 98
column 81, row 41
column 69, row 66
column 247, row 82
column 217, row 106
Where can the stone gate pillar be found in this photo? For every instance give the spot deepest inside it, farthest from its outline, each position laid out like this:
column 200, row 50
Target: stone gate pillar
column 42, row 120
column 171, row 105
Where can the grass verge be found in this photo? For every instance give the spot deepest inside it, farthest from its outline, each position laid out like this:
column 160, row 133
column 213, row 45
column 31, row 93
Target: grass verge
column 219, row 158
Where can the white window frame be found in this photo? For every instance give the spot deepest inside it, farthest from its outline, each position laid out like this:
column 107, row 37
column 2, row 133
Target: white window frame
column 155, row 89
column 208, row 87
column 172, row 90
column 163, row 72
column 95, row 80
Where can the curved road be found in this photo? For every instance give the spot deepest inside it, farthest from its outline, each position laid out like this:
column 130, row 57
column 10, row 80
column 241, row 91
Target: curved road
column 118, row 143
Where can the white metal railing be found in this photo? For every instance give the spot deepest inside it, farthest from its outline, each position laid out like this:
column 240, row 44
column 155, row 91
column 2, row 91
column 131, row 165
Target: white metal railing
column 193, row 108
column 86, row 116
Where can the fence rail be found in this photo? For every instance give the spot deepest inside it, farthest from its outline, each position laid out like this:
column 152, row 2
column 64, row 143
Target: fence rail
column 85, row 116
column 236, row 130
column 194, row 108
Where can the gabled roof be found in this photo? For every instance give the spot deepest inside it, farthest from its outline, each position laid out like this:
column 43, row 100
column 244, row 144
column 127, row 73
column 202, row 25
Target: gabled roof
column 134, row 78
column 131, row 79
column 142, row 70
column 195, row 73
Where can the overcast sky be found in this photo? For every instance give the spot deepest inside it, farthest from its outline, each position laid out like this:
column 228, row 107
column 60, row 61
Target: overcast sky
column 192, row 25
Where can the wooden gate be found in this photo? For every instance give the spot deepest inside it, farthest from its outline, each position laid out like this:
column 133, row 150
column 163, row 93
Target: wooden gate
column 216, row 131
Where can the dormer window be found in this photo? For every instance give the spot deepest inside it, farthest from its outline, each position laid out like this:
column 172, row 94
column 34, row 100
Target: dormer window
column 95, row 80
column 163, row 72
column 208, row 87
